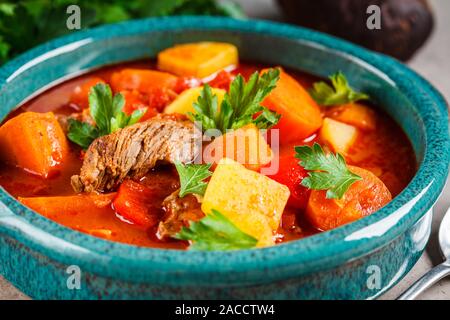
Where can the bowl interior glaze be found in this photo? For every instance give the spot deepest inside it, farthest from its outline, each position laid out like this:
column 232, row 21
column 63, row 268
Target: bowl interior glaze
column 409, row 99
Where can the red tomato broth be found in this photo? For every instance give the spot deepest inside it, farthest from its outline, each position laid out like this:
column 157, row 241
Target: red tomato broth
column 386, row 152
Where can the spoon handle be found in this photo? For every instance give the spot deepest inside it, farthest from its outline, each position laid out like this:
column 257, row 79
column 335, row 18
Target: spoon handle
column 430, row 278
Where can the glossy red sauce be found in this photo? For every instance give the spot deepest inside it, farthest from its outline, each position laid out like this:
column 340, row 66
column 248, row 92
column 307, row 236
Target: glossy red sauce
column 385, row 151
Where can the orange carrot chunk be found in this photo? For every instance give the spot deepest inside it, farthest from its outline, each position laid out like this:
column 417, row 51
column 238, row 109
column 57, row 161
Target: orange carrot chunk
column 35, row 142
column 362, row 199
column 143, row 80
column 300, row 115
column 54, row 207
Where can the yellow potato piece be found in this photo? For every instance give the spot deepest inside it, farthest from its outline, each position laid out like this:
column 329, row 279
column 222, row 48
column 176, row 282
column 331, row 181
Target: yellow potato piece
column 355, row 114
column 184, row 102
column 337, row 135
column 252, row 201
column 198, row 59
column 245, row 145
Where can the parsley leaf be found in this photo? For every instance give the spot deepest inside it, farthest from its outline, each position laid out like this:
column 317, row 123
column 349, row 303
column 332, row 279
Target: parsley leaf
column 240, row 104
column 216, row 232
column 327, row 172
column 82, row 133
column 340, row 93
column 106, row 111
column 191, row 178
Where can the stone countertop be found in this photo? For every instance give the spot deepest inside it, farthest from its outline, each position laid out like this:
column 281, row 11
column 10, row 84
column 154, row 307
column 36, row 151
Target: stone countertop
column 433, row 63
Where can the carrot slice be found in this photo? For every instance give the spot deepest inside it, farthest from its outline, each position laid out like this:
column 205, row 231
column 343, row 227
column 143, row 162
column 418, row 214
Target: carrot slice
column 143, row 80
column 52, row 207
column 362, row 199
column 35, row 142
column 300, row 115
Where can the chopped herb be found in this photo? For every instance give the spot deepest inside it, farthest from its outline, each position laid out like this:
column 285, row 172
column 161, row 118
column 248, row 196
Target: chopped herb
column 240, row 106
column 82, row 133
column 192, row 178
column 340, row 93
column 107, row 113
column 216, row 232
column 326, row 171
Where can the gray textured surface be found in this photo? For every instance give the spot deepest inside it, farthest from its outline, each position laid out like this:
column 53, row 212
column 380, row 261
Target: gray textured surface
column 433, row 63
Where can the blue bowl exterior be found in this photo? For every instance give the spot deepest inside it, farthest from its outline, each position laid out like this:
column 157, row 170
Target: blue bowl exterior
column 333, row 264
column 44, row 278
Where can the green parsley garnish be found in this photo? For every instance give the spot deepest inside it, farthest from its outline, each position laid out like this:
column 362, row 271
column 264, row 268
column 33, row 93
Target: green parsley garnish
column 326, row 171
column 216, row 232
column 240, row 104
column 340, row 93
column 191, row 178
column 107, row 113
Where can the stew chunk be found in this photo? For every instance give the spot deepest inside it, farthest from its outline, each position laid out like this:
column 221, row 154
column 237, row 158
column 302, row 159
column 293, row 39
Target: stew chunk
column 198, row 59
column 338, row 135
column 34, row 142
column 52, row 207
column 300, row 114
column 133, row 151
column 252, row 201
column 361, row 199
column 145, row 81
column 184, row 102
column 245, row 145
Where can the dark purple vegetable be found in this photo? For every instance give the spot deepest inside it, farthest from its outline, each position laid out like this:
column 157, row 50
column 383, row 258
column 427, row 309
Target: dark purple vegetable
column 405, row 24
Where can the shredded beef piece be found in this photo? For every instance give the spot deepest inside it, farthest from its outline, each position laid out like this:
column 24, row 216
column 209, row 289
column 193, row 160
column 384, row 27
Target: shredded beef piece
column 179, row 212
column 133, row 151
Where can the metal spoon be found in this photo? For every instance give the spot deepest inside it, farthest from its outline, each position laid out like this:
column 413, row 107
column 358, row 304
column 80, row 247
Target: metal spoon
column 438, row 272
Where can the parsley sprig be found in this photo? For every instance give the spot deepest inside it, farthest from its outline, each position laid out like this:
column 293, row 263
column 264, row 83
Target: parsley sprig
column 241, row 104
column 340, row 93
column 326, row 171
column 107, row 113
column 216, row 232
column 192, row 178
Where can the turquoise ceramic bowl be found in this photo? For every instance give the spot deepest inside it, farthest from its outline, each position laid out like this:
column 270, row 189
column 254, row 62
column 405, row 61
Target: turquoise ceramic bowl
column 359, row 260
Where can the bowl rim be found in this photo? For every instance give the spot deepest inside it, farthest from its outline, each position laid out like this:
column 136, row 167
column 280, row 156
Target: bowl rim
column 319, row 252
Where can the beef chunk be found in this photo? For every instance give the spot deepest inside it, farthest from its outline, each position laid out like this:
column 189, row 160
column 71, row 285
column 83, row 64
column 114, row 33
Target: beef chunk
column 178, row 213
column 134, row 150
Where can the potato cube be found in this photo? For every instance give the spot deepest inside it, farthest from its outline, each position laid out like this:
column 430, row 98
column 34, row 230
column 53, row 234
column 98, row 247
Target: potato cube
column 355, row 114
column 245, row 145
column 198, row 59
column 184, row 102
column 252, row 201
column 337, row 135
